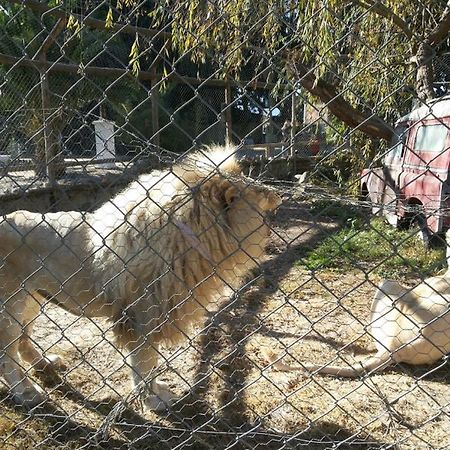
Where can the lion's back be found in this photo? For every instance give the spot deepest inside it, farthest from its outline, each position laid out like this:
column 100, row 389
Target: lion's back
column 30, row 241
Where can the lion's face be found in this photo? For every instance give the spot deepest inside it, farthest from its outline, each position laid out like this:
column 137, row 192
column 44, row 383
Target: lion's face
column 246, row 208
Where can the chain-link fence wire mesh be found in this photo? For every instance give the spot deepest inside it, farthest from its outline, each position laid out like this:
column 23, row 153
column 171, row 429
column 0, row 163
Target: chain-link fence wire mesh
column 180, row 291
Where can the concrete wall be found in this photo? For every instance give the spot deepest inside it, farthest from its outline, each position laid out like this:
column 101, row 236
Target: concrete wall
column 79, row 190
column 79, row 197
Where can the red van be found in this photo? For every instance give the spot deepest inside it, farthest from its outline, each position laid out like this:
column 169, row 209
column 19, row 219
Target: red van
column 413, row 182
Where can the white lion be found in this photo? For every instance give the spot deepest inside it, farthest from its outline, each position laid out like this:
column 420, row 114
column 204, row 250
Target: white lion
column 150, row 260
column 407, row 325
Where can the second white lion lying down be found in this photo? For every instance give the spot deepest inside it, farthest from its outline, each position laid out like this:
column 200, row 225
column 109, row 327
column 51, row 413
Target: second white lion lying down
column 407, row 325
column 151, row 260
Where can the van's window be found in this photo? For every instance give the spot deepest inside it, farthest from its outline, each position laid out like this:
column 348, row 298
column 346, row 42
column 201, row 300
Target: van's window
column 431, row 138
column 397, row 144
column 398, row 141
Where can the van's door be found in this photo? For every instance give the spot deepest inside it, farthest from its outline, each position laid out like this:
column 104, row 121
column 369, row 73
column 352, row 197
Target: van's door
column 425, row 167
column 383, row 182
column 393, row 160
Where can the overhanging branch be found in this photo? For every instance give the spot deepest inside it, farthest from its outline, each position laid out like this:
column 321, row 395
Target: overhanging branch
column 364, row 121
column 441, row 30
column 378, row 8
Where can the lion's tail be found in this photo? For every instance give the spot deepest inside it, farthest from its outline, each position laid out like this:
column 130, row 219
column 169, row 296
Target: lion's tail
column 374, row 364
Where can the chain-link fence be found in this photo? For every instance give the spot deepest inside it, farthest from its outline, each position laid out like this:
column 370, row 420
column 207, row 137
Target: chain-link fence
column 223, row 224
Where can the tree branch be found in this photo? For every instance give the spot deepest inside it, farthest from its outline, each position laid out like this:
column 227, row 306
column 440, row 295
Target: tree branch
column 383, row 11
column 364, row 121
column 441, row 30
column 51, row 38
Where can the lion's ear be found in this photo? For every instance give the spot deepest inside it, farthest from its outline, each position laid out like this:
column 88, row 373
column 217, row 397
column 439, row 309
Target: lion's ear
column 223, row 194
column 230, row 195
column 269, row 201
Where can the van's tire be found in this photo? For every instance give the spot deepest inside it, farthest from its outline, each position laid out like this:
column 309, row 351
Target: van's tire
column 368, row 204
column 364, row 194
column 424, row 232
column 417, row 220
column 438, row 240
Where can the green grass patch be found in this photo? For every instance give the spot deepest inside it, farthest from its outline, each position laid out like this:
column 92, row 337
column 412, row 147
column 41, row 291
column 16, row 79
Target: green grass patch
column 344, row 213
column 373, row 246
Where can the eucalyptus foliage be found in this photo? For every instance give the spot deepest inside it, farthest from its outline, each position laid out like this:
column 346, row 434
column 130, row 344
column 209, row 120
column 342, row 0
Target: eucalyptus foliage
column 364, row 48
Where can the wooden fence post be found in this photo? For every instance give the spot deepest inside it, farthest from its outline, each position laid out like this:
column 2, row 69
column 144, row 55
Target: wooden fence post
column 52, row 148
column 54, row 162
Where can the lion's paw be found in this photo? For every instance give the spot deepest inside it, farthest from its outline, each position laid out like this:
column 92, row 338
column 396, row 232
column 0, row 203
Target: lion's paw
column 30, row 396
column 47, row 369
column 49, row 363
column 160, row 398
column 56, row 362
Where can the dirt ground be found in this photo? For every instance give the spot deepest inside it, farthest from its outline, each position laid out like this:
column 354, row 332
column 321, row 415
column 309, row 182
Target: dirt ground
column 229, row 397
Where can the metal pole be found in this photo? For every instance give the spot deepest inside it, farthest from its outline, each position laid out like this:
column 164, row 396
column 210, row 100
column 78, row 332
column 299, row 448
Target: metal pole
column 293, row 124
column 227, row 111
column 155, row 111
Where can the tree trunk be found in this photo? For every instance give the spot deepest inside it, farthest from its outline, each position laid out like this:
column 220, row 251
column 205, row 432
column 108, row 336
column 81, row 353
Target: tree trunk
column 425, row 75
column 426, row 52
